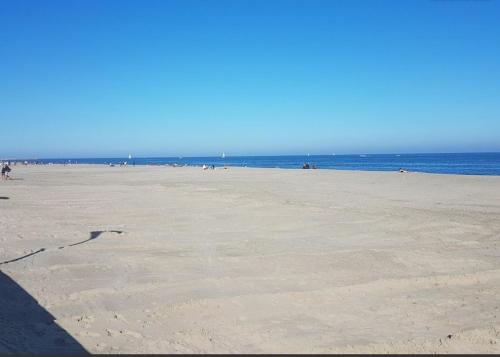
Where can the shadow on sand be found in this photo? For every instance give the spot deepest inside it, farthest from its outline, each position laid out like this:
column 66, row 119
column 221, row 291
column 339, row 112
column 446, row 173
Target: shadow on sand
column 93, row 235
column 23, row 257
column 27, row 328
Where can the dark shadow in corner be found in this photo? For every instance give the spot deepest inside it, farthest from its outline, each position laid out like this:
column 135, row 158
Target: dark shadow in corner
column 23, row 257
column 27, row 328
column 93, row 235
column 4, row 198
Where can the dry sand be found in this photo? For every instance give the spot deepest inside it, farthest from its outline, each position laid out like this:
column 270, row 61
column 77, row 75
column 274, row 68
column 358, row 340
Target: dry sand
column 248, row 260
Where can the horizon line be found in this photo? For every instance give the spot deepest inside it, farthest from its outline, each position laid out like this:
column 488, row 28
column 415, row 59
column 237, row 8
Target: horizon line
column 236, row 156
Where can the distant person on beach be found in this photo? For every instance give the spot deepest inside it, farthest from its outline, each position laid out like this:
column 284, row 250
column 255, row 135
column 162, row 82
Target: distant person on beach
column 5, row 171
column 401, row 170
column 306, row 166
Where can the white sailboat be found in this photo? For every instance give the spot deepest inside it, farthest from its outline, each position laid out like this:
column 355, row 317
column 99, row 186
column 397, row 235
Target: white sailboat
column 223, row 156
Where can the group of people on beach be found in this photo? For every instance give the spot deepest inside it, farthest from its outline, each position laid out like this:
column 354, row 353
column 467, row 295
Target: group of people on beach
column 5, row 170
column 307, row 166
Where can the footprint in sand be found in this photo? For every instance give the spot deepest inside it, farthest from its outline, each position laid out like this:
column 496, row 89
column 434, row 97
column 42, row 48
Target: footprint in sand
column 132, row 333
column 123, row 332
column 84, row 321
column 112, row 333
column 120, row 317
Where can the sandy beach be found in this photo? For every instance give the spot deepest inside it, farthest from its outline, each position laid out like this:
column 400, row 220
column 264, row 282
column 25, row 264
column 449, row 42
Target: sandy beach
column 175, row 260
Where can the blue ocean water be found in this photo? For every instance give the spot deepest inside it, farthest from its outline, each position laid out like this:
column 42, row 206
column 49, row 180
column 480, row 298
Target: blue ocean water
column 464, row 164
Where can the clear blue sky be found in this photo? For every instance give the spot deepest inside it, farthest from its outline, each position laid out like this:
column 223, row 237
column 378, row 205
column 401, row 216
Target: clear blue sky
column 167, row 78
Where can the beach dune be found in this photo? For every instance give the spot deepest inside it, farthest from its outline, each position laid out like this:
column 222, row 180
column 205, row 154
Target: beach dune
column 165, row 260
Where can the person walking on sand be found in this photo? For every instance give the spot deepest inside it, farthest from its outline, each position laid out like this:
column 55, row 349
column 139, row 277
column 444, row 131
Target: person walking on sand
column 5, row 171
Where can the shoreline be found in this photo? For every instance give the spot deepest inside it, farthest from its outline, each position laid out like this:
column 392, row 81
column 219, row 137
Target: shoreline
column 247, row 167
column 477, row 164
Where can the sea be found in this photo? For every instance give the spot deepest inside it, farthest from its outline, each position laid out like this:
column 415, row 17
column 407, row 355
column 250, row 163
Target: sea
column 457, row 163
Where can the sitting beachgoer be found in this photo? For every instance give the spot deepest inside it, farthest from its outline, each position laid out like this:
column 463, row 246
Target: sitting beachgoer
column 306, row 166
column 401, row 170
